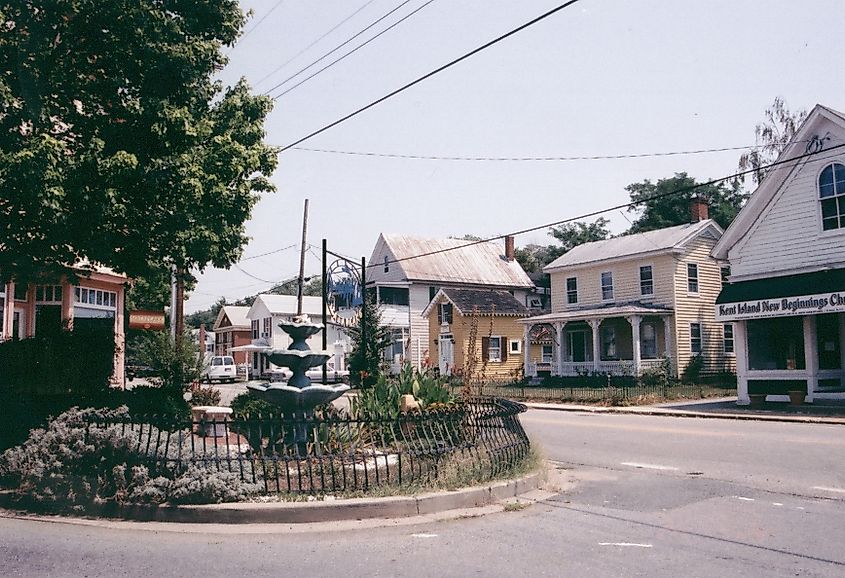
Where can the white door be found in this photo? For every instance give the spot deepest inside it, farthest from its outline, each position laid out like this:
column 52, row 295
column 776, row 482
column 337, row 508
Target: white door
column 447, row 354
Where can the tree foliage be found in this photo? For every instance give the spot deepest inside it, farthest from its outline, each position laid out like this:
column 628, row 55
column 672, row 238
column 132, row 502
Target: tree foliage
column 659, row 207
column 771, row 137
column 369, row 338
column 116, row 144
column 534, row 257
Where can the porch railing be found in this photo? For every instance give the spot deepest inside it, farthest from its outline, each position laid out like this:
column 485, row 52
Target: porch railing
column 572, row 368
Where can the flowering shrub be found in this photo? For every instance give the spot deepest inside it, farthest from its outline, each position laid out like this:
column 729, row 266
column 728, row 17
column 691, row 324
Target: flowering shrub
column 71, row 465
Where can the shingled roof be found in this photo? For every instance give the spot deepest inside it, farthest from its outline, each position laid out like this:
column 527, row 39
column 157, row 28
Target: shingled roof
column 488, row 302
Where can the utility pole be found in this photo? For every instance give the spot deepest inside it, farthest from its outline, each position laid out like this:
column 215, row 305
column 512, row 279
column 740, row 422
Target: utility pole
column 301, row 279
column 325, row 283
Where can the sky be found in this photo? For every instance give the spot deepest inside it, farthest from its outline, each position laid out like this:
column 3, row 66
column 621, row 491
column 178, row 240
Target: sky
column 599, row 78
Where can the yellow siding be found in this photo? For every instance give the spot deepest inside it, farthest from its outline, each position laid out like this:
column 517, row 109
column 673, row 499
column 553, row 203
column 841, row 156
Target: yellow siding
column 698, row 308
column 506, row 327
column 626, row 283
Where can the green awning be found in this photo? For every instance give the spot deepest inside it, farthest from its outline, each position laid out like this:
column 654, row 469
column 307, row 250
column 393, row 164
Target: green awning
column 789, row 286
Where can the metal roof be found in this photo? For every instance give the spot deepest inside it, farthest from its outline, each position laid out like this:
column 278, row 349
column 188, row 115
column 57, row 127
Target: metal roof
column 603, row 312
column 660, row 240
column 474, row 264
column 286, row 304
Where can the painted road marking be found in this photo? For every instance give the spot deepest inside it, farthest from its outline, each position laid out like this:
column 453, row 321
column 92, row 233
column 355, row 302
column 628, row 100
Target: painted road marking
column 625, row 544
column 744, row 499
column 423, row 535
column 777, row 504
column 649, row 466
column 827, row 489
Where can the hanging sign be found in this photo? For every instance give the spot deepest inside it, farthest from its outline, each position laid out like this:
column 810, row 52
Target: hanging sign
column 343, row 293
column 145, row 319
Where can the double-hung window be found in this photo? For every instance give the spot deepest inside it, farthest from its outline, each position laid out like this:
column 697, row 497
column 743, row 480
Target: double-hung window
column 572, row 290
column 832, row 196
column 646, row 280
column 444, row 313
column 695, row 338
column 692, row 277
column 494, row 349
column 607, row 286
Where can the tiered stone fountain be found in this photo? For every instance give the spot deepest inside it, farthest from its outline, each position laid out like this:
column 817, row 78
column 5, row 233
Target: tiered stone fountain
column 299, row 396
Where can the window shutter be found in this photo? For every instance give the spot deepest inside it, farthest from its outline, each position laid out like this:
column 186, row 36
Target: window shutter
column 504, row 344
column 485, row 349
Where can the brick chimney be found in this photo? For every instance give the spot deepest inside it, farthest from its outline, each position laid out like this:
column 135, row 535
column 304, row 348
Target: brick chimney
column 698, row 209
column 201, row 338
column 509, row 251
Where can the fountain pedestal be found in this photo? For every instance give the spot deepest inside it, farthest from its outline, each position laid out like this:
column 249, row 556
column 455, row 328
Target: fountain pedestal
column 298, row 396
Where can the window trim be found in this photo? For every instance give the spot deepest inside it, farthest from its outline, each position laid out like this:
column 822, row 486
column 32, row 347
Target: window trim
column 700, row 338
column 690, row 280
column 602, row 286
column 543, row 354
column 490, row 348
column 726, row 339
column 651, row 280
column 572, row 294
column 840, row 215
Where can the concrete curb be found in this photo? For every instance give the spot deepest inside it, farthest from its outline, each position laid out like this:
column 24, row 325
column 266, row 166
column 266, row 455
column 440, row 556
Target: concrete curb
column 688, row 413
column 324, row 511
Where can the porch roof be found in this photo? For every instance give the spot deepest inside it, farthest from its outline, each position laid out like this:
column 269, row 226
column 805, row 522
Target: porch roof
column 604, row 312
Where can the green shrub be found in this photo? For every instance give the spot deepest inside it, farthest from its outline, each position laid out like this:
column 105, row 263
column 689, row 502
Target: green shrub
column 693, row 369
column 201, row 396
column 246, row 404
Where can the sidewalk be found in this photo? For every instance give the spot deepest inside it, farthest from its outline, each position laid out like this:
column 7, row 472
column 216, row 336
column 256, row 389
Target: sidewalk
column 821, row 411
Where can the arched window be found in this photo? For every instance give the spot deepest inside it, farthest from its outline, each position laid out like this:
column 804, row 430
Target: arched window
column 832, row 196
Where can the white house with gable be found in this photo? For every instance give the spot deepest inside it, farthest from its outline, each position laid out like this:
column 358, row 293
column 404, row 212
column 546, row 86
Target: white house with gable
column 265, row 314
column 407, row 272
column 786, row 291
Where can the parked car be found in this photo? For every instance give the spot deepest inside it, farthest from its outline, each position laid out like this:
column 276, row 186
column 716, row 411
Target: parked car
column 136, row 370
column 221, row 368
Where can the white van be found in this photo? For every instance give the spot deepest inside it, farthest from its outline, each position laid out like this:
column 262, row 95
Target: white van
column 221, row 368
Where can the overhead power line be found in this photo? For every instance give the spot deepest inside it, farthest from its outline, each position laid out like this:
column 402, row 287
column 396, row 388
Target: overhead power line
column 269, row 252
column 522, row 159
column 335, row 49
column 432, row 73
column 326, row 33
column 615, row 207
column 354, row 50
column 257, row 24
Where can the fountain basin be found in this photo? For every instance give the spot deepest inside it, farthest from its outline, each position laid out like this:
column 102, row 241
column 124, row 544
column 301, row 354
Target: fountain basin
column 290, row 398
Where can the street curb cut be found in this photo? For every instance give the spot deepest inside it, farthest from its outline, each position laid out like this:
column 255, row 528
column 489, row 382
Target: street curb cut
column 687, row 413
column 325, row 511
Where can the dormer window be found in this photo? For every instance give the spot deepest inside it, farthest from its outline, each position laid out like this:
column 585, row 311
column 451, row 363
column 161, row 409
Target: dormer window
column 832, row 196
column 444, row 313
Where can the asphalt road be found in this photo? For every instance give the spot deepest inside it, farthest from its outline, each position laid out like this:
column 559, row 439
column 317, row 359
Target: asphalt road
column 651, row 496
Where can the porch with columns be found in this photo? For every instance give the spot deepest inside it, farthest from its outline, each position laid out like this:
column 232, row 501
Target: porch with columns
column 622, row 340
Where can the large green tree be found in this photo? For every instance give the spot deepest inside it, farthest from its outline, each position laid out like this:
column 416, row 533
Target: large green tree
column 667, row 202
column 534, row 257
column 117, row 146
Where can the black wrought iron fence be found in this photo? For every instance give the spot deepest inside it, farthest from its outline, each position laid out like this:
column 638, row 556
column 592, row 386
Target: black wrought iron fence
column 474, row 440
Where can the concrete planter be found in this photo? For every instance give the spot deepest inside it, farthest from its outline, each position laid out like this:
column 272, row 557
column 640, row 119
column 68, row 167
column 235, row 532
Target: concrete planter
column 796, row 396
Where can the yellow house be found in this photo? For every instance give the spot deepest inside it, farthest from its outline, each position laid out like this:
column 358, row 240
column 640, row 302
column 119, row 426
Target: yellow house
column 628, row 304
column 482, row 321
